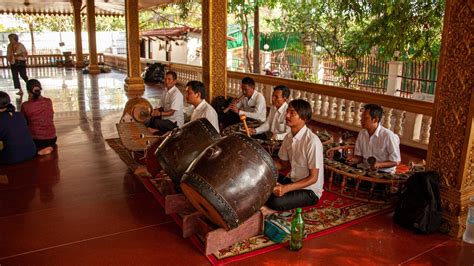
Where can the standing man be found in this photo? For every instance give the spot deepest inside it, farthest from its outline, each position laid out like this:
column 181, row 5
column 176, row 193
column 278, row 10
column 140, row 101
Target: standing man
column 16, row 56
column 376, row 141
column 195, row 95
column 253, row 104
column 302, row 151
column 171, row 114
column 275, row 127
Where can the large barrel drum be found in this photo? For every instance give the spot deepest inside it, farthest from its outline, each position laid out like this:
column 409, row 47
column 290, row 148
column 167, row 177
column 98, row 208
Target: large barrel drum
column 183, row 145
column 231, row 180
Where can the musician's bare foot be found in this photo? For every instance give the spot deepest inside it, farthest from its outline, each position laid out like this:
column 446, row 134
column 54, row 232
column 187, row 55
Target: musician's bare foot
column 266, row 211
column 45, row 151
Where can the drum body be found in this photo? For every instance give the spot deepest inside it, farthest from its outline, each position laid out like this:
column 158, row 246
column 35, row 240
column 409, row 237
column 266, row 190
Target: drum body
column 231, row 180
column 183, row 145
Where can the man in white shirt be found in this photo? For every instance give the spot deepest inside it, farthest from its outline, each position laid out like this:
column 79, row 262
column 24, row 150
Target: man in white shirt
column 275, row 127
column 302, row 151
column 195, row 95
column 376, row 141
column 16, row 56
column 171, row 114
column 253, row 105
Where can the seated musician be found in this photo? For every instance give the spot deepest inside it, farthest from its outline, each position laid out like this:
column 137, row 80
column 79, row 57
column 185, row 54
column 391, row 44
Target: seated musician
column 253, row 104
column 171, row 115
column 376, row 141
column 275, row 127
column 195, row 95
column 303, row 152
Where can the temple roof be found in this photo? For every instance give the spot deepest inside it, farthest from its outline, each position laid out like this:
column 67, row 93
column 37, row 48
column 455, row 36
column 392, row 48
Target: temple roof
column 64, row 7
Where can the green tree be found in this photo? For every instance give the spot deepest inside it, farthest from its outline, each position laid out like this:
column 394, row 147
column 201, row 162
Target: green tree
column 353, row 28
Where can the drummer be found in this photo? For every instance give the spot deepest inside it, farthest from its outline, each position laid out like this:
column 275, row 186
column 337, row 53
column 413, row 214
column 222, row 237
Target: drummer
column 275, row 127
column 376, row 141
column 195, row 95
column 252, row 104
column 171, row 115
column 302, row 151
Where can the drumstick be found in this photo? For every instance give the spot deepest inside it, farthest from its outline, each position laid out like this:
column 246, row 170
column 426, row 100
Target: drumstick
column 142, row 136
column 243, row 119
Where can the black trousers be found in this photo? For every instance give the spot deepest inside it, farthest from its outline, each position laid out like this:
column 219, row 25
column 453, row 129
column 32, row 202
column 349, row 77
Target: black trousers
column 18, row 68
column 162, row 125
column 292, row 199
column 43, row 143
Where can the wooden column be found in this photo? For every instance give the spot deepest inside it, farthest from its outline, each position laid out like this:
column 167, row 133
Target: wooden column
column 214, row 36
column 451, row 149
column 76, row 5
column 134, row 84
column 93, row 66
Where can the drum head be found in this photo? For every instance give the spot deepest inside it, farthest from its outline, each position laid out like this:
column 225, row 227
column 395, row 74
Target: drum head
column 141, row 113
column 203, row 206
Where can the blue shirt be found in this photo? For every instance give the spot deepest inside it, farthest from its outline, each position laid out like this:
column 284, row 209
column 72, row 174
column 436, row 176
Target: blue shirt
column 18, row 144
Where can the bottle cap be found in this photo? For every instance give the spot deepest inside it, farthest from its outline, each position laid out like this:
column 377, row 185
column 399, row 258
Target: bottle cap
column 298, row 210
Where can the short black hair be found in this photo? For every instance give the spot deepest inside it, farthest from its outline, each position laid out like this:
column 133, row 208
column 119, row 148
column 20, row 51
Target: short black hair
column 248, row 81
column 173, row 74
column 375, row 111
column 303, row 108
column 13, row 35
column 197, row 86
column 4, row 99
column 285, row 91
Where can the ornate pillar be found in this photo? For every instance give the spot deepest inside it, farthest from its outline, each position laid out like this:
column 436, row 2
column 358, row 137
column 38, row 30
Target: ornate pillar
column 134, row 84
column 214, row 36
column 93, row 66
column 76, row 6
column 451, row 148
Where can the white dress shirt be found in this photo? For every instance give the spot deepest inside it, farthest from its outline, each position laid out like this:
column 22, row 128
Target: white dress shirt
column 384, row 145
column 174, row 101
column 205, row 110
column 276, row 122
column 255, row 107
column 304, row 151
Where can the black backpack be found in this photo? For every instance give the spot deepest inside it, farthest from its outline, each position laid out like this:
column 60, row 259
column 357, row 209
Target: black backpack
column 419, row 207
column 154, row 73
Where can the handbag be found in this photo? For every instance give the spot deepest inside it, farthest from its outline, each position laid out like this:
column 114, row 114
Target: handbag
column 277, row 229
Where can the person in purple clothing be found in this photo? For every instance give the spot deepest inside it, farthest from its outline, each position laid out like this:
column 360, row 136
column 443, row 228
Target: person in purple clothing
column 18, row 145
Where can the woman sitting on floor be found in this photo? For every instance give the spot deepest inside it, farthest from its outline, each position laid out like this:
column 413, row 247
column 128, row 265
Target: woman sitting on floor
column 39, row 114
column 18, row 145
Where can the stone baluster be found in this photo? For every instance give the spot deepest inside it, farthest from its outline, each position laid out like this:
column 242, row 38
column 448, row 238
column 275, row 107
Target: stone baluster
column 317, row 104
column 398, row 127
column 425, row 129
column 325, row 106
column 348, row 112
column 331, row 110
column 387, row 118
column 357, row 113
column 339, row 111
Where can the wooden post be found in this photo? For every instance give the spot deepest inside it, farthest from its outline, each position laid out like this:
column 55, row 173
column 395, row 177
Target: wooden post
column 93, row 66
column 451, row 148
column 214, row 36
column 76, row 5
column 134, row 84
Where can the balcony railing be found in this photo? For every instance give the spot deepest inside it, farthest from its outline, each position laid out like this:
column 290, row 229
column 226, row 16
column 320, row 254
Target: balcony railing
column 408, row 118
column 46, row 60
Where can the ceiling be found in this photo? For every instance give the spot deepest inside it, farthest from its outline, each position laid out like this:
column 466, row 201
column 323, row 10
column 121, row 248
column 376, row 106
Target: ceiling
column 64, row 7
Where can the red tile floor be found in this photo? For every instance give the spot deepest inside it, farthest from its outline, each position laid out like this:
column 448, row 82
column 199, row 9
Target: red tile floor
column 81, row 206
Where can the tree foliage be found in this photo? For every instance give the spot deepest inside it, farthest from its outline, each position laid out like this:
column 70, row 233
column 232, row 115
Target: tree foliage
column 354, row 28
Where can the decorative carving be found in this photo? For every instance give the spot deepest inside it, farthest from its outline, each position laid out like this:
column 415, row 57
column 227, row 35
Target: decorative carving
column 451, row 127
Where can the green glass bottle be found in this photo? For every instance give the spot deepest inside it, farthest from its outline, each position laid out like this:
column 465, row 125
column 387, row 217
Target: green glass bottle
column 297, row 231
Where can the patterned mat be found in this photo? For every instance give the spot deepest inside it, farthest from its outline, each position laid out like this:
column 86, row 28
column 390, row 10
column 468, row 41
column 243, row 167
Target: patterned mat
column 331, row 214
